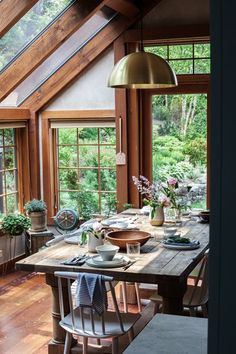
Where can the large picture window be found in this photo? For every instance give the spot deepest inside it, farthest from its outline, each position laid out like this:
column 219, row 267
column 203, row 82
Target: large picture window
column 86, row 168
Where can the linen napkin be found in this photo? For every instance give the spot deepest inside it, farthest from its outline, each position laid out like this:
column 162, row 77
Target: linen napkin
column 91, row 292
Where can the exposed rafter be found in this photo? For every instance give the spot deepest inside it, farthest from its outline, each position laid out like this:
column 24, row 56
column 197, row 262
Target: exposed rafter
column 73, row 67
column 125, row 7
column 11, row 11
column 46, row 44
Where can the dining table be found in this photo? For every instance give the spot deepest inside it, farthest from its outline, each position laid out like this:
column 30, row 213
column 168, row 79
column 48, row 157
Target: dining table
column 169, row 268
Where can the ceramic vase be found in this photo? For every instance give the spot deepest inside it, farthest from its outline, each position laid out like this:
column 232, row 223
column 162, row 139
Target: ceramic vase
column 93, row 242
column 156, row 216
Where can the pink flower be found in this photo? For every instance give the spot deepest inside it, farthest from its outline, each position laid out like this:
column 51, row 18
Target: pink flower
column 172, row 181
column 164, row 201
column 97, row 226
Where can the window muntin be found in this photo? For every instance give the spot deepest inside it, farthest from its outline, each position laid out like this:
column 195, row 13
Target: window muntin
column 185, row 58
column 86, row 169
column 179, row 143
column 28, row 29
column 57, row 59
column 8, row 172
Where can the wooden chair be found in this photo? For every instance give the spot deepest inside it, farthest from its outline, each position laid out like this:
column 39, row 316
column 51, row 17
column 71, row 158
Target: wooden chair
column 196, row 295
column 86, row 323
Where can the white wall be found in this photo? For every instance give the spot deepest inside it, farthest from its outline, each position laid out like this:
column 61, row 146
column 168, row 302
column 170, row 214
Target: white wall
column 90, row 90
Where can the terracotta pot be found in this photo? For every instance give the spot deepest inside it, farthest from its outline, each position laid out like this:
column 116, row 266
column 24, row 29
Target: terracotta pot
column 157, row 217
column 38, row 221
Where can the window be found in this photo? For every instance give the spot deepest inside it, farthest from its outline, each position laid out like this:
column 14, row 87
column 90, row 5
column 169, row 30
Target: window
column 86, row 168
column 28, row 28
column 185, row 58
column 179, row 144
column 8, row 171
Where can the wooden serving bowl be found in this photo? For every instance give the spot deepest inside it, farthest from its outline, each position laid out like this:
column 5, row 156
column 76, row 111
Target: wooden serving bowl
column 121, row 237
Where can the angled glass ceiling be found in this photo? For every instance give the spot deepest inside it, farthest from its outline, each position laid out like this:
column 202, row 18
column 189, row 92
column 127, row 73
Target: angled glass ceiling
column 29, row 28
column 69, row 48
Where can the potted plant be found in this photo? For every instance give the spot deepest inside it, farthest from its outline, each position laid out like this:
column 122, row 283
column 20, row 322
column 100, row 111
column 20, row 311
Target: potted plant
column 94, row 235
column 15, row 224
column 37, row 211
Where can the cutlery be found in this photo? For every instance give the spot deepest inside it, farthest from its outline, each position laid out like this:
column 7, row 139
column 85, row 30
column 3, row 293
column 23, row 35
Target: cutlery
column 129, row 264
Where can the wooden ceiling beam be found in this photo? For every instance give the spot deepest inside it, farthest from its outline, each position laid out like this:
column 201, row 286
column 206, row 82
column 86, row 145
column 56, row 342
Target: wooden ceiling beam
column 125, row 7
column 80, row 61
column 47, row 43
column 11, row 11
column 14, row 113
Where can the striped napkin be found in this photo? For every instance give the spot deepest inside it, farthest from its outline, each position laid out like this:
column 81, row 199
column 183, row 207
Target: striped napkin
column 91, row 292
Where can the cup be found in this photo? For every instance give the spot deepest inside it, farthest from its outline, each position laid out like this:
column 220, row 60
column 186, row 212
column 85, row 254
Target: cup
column 133, row 249
column 169, row 232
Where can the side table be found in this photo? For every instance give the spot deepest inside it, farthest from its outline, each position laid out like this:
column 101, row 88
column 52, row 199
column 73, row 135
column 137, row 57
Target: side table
column 35, row 240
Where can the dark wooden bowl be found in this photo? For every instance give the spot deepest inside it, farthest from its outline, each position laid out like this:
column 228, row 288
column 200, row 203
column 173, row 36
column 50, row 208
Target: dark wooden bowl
column 121, row 237
column 204, row 215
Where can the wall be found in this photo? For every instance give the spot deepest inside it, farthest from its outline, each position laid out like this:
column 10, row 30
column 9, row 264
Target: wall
column 90, row 90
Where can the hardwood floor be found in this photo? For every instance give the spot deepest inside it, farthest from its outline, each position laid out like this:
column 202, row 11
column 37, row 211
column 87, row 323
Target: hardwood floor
column 25, row 313
column 25, row 319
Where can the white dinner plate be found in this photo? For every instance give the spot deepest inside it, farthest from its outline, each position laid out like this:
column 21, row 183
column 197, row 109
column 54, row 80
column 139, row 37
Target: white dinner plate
column 123, row 226
column 118, row 261
column 181, row 246
column 108, row 222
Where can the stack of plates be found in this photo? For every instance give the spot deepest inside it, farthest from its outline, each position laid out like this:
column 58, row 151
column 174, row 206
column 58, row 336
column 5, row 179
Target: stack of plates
column 98, row 262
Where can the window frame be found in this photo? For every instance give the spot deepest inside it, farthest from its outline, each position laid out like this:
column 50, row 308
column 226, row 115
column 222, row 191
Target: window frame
column 49, row 146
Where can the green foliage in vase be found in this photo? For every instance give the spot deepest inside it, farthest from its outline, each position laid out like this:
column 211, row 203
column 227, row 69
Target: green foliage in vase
column 35, row 205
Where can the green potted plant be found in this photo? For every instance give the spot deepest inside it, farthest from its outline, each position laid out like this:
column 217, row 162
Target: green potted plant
column 15, row 224
column 36, row 209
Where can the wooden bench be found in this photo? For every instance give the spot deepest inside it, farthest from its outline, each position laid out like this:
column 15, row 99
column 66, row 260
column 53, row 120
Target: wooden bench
column 170, row 334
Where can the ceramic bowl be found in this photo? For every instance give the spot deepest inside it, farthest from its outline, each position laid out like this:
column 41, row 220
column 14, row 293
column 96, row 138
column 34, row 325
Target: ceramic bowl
column 204, row 215
column 107, row 252
column 121, row 237
column 170, row 231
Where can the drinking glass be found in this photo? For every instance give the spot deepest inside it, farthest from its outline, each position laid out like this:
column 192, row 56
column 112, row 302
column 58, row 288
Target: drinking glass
column 133, row 249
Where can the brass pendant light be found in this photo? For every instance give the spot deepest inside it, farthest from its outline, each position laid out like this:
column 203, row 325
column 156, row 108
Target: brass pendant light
column 142, row 70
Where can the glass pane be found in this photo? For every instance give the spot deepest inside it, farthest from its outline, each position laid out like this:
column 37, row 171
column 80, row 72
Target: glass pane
column 11, row 203
column 68, row 200
column 108, row 203
column 89, row 180
column 88, row 156
column 88, row 204
column 180, row 51
column 71, row 46
column 108, row 180
column 202, row 50
column 180, row 144
column 68, row 179
column 182, row 66
column 202, row 66
column 28, row 27
column 9, row 158
column 107, row 135
column 10, row 181
column 67, row 136
column 158, row 50
column 108, row 156
column 2, row 205
column 9, row 137
column 2, row 183
column 1, row 138
column 67, row 156
column 88, row 136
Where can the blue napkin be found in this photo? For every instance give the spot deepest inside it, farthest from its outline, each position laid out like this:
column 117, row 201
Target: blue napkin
column 91, row 292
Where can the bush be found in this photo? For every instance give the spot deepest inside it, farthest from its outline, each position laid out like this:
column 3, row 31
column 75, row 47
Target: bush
column 15, row 224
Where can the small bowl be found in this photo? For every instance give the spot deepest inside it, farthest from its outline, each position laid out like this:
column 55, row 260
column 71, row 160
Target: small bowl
column 120, row 238
column 204, row 215
column 107, row 252
column 170, row 231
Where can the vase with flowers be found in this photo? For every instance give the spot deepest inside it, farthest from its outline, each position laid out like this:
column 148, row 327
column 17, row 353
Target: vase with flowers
column 155, row 197
column 94, row 236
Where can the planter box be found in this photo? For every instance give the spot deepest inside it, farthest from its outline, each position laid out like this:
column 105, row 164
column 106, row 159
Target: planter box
column 11, row 247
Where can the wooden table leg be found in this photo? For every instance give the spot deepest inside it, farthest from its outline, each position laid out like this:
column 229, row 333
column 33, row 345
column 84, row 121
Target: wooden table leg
column 172, row 296
column 58, row 339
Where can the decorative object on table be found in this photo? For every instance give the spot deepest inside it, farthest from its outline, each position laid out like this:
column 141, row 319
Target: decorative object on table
column 155, row 197
column 93, row 236
column 36, row 209
column 121, row 237
column 66, row 220
column 107, row 252
column 204, row 216
column 181, row 243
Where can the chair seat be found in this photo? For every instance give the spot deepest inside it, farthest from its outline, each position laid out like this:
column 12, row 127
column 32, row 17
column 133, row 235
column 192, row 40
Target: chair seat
column 112, row 327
